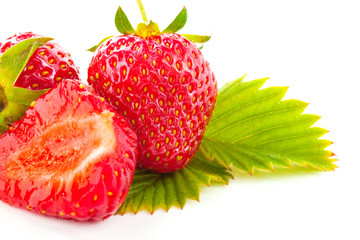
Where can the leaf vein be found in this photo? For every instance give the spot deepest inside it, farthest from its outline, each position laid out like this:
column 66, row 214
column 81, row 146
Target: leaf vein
column 243, row 106
column 269, row 129
column 282, row 139
column 251, row 118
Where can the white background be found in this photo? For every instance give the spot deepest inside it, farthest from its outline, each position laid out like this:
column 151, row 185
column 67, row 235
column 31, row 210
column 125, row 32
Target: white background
column 312, row 46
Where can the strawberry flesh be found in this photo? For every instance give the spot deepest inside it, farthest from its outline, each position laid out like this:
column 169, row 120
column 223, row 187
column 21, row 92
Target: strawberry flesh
column 70, row 156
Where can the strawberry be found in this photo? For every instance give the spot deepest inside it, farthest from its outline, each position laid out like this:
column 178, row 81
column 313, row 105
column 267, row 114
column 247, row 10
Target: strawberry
column 70, row 156
column 29, row 66
column 161, row 82
column 49, row 64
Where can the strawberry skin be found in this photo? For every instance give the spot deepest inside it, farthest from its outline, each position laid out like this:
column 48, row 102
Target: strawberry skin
column 49, row 65
column 70, row 156
column 164, row 87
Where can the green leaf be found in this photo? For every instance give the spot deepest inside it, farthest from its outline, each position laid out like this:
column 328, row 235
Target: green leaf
column 252, row 128
column 197, row 38
column 151, row 191
column 93, row 49
column 178, row 23
column 14, row 100
column 24, row 96
column 13, row 61
column 122, row 23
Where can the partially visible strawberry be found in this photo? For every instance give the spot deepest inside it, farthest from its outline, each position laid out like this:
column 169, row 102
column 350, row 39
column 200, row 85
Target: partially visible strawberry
column 70, row 156
column 162, row 84
column 29, row 66
column 49, row 65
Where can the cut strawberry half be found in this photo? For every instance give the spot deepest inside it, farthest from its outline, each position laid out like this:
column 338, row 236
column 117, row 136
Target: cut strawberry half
column 70, row 156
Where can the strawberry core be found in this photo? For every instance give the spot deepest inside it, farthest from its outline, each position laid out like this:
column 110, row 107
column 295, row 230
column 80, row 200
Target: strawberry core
column 64, row 148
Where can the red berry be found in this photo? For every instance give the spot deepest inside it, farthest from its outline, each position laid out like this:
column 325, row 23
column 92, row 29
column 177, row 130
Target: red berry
column 164, row 87
column 70, row 156
column 48, row 66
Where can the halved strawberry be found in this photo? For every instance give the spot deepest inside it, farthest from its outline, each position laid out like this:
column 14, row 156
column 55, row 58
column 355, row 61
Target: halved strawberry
column 70, row 156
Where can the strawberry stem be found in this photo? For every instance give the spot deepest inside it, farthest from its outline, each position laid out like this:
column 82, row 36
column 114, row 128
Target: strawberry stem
column 142, row 10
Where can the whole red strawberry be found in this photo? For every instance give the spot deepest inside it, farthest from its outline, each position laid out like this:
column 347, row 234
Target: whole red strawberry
column 162, row 84
column 49, row 65
column 70, row 156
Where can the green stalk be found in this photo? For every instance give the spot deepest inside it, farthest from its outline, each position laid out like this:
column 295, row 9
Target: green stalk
column 142, row 10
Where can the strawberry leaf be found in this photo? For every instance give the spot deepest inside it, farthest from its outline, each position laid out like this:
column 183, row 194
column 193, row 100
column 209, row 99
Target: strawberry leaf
column 13, row 61
column 93, row 49
column 178, row 23
column 254, row 129
column 14, row 100
column 122, row 23
column 251, row 128
column 197, row 38
column 151, row 191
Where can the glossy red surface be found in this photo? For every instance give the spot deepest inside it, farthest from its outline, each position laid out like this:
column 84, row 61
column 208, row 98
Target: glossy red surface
column 44, row 157
column 49, row 65
column 166, row 90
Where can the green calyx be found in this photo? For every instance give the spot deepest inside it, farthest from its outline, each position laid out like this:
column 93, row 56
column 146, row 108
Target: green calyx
column 3, row 100
column 150, row 28
column 147, row 30
column 14, row 101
